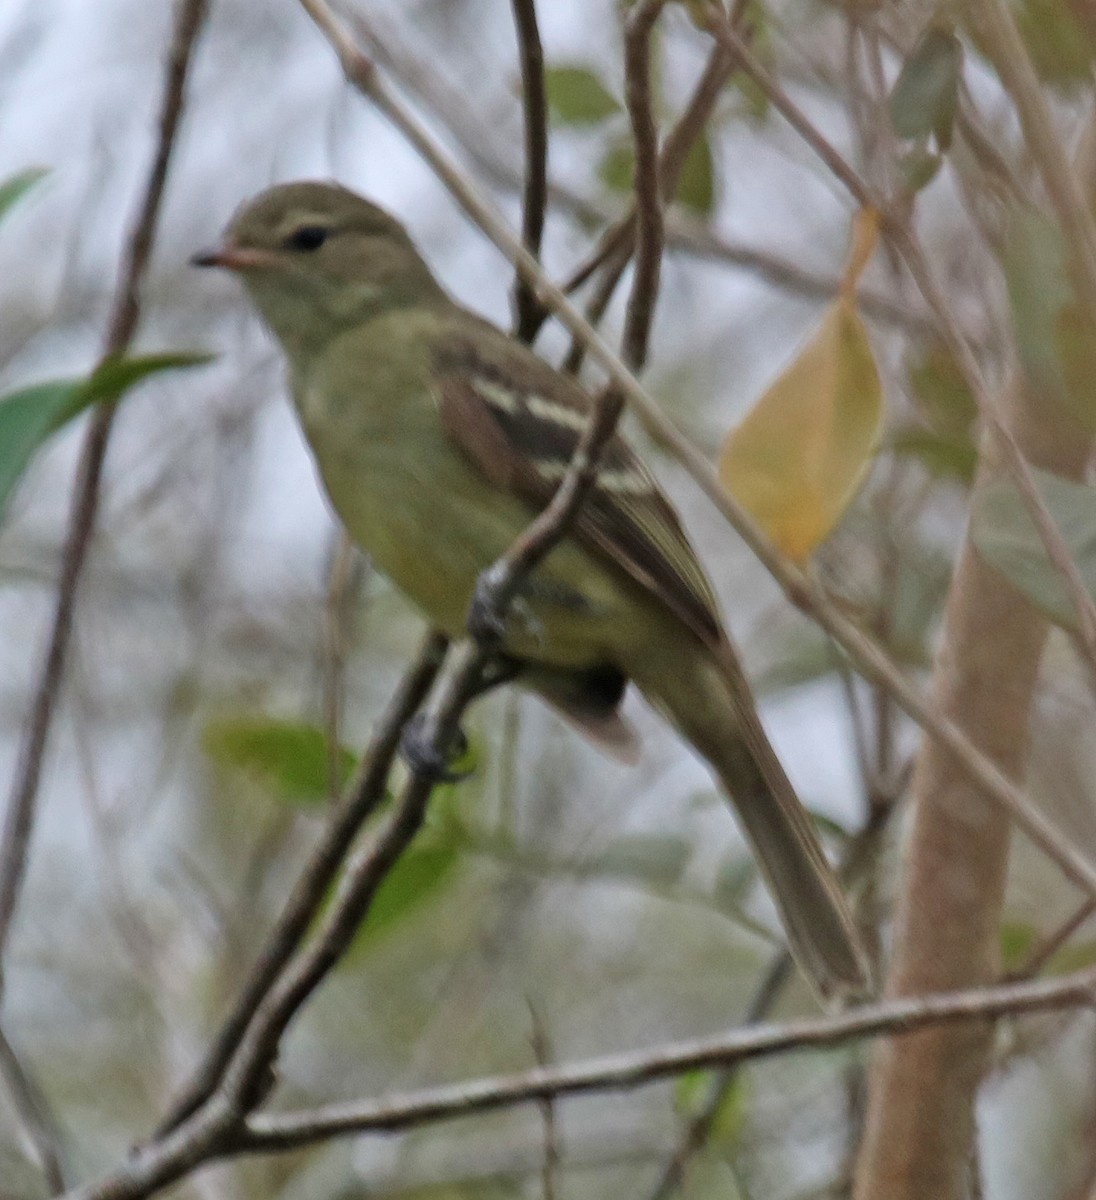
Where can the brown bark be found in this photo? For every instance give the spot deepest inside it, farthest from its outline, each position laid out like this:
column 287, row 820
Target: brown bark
column 920, row 1124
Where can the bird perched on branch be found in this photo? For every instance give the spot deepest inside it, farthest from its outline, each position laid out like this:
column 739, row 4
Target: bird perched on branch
column 439, row 437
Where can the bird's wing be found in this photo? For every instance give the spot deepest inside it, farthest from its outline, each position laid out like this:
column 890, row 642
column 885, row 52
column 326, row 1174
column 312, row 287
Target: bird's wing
column 518, row 421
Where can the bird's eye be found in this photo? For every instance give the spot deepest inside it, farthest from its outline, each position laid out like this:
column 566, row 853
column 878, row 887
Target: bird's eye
column 307, row 237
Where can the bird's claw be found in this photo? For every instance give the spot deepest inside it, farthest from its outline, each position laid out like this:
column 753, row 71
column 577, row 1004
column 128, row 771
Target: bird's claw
column 422, row 755
column 486, row 621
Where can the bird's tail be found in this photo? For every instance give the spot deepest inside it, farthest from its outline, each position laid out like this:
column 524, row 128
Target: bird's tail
column 712, row 706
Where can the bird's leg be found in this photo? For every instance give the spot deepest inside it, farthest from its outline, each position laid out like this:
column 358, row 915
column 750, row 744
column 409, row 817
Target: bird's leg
column 419, row 749
column 495, row 604
column 419, row 743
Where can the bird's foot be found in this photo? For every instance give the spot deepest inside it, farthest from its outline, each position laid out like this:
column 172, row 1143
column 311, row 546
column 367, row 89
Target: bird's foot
column 489, row 615
column 486, row 618
column 421, row 753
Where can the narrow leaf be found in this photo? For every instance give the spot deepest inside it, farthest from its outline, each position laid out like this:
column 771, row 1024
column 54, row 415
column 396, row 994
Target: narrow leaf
column 1008, row 539
column 13, row 189
column 799, row 457
column 925, row 96
column 30, row 415
column 696, row 188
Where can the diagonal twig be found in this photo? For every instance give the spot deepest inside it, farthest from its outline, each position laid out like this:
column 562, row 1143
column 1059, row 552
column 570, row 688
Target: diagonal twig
column 800, row 588
column 623, row 1072
column 358, row 804
column 19, row 820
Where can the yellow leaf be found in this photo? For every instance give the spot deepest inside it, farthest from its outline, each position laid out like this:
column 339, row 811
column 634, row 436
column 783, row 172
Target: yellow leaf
column 802, row 452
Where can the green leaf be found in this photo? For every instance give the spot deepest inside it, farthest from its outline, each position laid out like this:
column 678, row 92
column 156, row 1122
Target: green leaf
column 1060, row 36
column 617, row 168
column 947, row 456
column 695, row 1091
column 1055, row 334
column 941, row 390
column 420, row 874
column 1008, row 539
column 733, row 881
column 289, row 758
column 30, row 415
column 917, row 168
column 696, row 188
column 13, row 189
column 925, row 96
column 577, row 97
column 1016, row 940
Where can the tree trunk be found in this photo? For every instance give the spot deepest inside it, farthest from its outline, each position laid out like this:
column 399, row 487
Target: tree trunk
column 920, row 1129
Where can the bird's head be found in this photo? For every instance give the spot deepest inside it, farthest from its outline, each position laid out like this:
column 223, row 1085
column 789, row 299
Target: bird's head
column 317, row 258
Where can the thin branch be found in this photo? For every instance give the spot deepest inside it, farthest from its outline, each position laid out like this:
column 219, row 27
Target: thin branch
column 244, row 1078
column 724, row 32
column 500, row 583
column 35, row 1118
column 1048, row 946
column 542, row 1052
column 534, row 201
column 19, row 820
column 623, row 1072
column 448, row 107
column 650, row 235
column 870, row 660
column 359, row 803
column 900, row 235
column 619, row 241
column 1010, row 58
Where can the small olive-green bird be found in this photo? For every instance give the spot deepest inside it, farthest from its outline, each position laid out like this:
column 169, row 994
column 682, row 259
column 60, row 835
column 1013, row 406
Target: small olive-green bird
column 439, row 437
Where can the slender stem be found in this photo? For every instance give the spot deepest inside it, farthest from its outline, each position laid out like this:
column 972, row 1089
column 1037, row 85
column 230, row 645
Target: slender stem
column 623, row 1072
column 800, row 588
column 359, row 803
column 19, row 820
column 534, row 204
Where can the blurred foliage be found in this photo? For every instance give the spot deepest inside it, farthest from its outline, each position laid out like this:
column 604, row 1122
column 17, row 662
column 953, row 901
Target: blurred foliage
column 618, row 903
column 13, row 189
column 30, row 415
column 798, row 458
column 1055, row 332
column 925, row 96
column 1006, row 535
column 577, row 96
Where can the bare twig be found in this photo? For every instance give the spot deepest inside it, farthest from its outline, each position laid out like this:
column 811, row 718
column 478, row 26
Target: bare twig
column 1010, row 58
column 621, row 1072
column 500, row 583
column 870, row 661
column 534, row 202
column 448, row 107
column 900, row 235
column 650, row 235
column 542, row 1052
column 19, row 820
column 1048, row 946
column 359, row 803
column 35, row 1118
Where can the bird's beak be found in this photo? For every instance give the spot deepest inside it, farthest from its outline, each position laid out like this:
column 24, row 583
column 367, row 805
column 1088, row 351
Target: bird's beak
column 233, row 258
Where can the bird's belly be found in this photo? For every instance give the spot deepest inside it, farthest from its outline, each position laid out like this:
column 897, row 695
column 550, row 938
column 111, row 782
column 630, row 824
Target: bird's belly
column 433, row 536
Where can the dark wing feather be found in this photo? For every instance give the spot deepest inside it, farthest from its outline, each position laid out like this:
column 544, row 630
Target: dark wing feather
column 518, row 421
